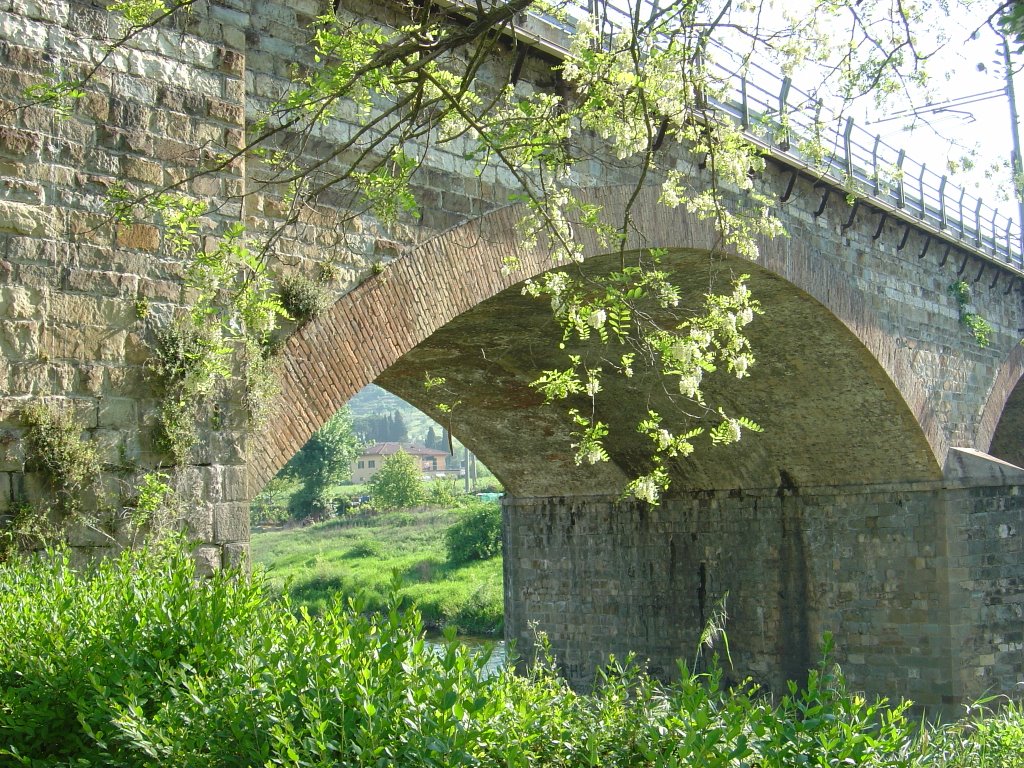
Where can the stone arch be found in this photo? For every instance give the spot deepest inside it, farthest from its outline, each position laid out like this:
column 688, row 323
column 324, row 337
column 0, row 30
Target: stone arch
column 1001, row 426
column 380, row 332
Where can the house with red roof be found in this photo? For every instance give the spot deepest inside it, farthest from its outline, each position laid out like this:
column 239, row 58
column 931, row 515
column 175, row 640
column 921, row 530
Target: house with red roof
column 433, row 462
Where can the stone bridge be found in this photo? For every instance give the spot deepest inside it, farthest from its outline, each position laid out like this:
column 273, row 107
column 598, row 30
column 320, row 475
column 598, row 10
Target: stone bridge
column 882, row 502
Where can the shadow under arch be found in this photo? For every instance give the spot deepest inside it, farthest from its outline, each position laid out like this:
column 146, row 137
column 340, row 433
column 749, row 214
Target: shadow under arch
column 837, row 402
column 1001, row 428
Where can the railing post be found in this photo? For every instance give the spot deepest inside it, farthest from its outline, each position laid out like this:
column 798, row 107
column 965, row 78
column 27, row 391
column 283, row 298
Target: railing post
column 942, row 203
column 783, row 110
column 920, row 191
column 744, row 106
column 1020, row 244
column 901, row 192
column 1006, row 240
column 963, row 224
column 977, row 225
column 848, row 148
column 874, row 165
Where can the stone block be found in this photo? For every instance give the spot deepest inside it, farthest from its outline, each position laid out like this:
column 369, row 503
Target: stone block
column 236, row 484
column 208, row 559
column 14, row 141
column 23, row 219
column 142, row 237
column 19, row 303
column 198, row 520
column 237, row 555
column 231, row 522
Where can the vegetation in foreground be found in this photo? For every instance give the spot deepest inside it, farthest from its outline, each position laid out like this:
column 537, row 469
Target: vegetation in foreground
column 135, row 663
column 455, row 579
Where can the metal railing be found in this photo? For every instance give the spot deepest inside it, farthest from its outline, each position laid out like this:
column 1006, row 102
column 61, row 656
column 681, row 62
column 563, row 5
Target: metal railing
column 793, row 127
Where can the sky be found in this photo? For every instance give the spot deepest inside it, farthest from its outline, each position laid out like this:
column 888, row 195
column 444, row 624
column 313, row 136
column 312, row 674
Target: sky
column 968, row 68
column 981, row 128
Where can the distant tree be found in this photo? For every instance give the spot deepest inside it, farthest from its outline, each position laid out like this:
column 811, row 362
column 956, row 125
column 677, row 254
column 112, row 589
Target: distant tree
column 476, row 535
column 268, row 505
column 430, row 440
column 399, row 432
column 325, row 460
column 373, row 428
column 399, row 483
column 444, row 491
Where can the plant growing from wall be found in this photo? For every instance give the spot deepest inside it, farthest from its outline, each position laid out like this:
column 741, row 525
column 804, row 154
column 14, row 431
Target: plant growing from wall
column 55, row 449
column 25, row 527
column 154, row 507
column 227, row 327
column 979, row 327
column 70, row 468
column 303, row 299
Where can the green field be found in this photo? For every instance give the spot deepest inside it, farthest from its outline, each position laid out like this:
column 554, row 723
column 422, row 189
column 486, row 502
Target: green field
column 360, row 558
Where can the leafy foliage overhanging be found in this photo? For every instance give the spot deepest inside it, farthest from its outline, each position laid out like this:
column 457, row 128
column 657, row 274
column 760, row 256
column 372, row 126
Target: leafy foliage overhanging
column 419, row 86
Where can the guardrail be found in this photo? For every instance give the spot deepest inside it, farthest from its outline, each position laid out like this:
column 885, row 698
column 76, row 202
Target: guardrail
column 864, row 164
column 780, row 119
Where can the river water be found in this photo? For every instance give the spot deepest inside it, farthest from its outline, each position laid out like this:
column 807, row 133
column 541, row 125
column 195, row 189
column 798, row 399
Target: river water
column 479, row 645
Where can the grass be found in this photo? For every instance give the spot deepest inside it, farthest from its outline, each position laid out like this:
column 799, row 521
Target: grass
column 362, row 557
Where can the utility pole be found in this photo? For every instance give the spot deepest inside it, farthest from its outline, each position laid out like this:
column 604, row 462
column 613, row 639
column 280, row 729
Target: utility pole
column 1015, row 159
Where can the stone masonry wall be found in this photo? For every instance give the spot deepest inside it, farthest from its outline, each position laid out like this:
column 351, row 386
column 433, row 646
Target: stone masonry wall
column 875, row 567
column 79, row 298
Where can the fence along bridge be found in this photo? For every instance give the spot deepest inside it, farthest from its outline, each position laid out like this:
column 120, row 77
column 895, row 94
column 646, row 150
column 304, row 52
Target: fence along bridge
column 847, row 159
column 882, row 503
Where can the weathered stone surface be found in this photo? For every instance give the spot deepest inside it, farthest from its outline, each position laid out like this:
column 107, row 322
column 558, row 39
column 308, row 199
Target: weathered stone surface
column 25, row 219
column 236, row 555
column 873, row 566
column 208, row 560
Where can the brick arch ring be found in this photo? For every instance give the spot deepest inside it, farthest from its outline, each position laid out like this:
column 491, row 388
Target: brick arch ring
column 371, row 327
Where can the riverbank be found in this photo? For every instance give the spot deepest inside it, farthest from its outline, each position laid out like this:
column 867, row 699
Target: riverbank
column 360, row 557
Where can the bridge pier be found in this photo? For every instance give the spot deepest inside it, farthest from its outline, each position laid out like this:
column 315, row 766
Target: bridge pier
column 921, row 584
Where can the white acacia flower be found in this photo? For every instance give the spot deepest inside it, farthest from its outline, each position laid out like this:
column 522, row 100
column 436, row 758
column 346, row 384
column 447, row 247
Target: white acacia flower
column 684, row 352
column 745, row 316
column 701, row 337
column 597, row 318
column 645, row 489
column 557, row 282
column 689, row 385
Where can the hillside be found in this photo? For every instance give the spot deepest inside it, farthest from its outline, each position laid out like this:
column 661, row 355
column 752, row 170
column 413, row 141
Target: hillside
column 375, row 401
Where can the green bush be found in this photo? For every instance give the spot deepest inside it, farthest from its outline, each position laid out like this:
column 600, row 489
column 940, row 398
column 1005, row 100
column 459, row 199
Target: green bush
column 55, row 448
column 138, row 663
column 303, row 299
column 476, row 535
column 398, row 484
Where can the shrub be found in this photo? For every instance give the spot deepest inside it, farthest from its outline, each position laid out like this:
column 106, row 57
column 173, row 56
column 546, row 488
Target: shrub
column 444, row 492
column 54, row 447
column 476, row 535
column 365, row 548
column 303, row 299
column 399, row 482
column 136, row 663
